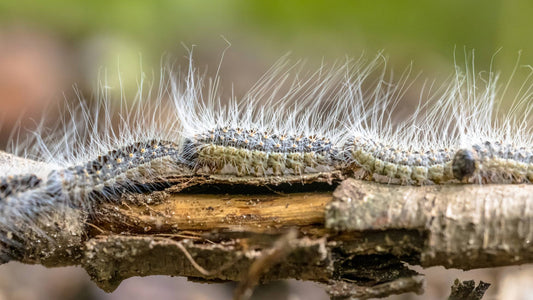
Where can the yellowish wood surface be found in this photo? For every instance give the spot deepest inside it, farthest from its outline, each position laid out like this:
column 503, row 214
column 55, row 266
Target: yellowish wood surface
column 206, row 212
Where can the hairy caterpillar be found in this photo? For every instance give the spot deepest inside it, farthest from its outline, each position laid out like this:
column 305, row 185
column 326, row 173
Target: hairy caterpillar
column 407, row 166
column 337, row 119
column 257, row 153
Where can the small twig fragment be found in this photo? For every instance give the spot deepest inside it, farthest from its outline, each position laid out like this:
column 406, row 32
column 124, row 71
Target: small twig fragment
column 269, row 257
column 467, row 290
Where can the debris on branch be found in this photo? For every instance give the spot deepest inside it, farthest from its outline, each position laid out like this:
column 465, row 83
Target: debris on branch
column 467, row 290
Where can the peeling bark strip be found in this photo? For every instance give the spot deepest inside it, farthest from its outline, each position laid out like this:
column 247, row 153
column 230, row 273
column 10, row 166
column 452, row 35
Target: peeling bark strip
column 466, row 226
column 345, row 290
column 111, row 259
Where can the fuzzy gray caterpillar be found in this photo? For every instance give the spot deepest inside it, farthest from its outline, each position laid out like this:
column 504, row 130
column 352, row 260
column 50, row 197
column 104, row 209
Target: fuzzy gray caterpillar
column 27, row 201
column 254, row 153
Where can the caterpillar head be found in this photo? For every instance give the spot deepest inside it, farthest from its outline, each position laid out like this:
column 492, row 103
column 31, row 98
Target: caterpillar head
column 464, row 164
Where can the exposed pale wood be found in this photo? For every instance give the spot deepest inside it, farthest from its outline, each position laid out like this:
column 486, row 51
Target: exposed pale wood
column 204, row 212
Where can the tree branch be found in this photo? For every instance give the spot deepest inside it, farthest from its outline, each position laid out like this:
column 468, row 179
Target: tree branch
column 357, row 240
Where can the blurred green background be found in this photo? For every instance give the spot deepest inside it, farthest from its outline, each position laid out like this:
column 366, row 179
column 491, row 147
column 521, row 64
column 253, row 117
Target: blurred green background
column 48, row 46
column 426, row 31
column 96, row 34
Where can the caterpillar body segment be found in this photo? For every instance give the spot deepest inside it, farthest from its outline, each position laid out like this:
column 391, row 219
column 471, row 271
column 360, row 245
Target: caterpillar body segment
column 249, row 152
column 404, row 166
